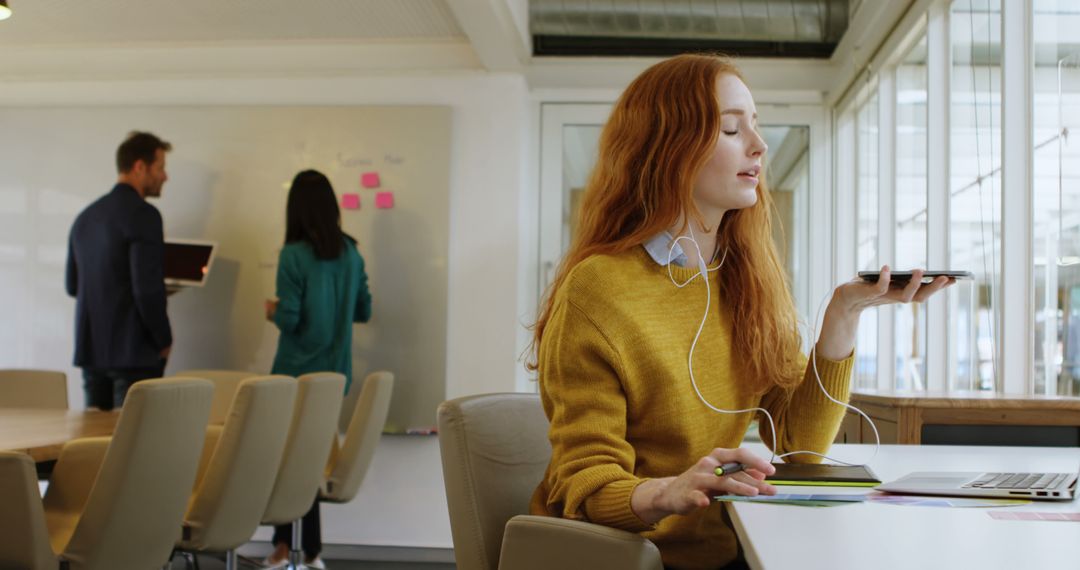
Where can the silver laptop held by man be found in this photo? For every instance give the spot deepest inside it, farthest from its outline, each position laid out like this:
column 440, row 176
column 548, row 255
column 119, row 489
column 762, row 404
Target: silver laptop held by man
column 188, row 262
column 1039, row 486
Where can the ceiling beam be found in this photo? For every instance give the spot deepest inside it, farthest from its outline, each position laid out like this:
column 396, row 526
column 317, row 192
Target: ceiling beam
column 762, row 74
column 876, row 32
column 498, row 31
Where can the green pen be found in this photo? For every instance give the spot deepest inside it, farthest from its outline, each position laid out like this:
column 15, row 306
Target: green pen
column 728, row 469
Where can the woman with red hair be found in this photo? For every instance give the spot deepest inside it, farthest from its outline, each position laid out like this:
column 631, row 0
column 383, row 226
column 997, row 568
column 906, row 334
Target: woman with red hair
column 675, row 222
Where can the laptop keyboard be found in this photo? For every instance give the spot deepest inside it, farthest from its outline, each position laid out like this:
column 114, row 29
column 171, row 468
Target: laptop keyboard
column 1017, row 481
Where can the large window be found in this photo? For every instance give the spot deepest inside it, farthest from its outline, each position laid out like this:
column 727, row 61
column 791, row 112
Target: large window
column 1056, row 200
column 911, row 188
column 975, row 188
column 963, row 129
column 866, row 232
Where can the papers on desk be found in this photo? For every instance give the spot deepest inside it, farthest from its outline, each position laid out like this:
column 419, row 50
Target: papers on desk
column 1033, row 516
column 818, row 500
column 955, row 502
column 834, row 500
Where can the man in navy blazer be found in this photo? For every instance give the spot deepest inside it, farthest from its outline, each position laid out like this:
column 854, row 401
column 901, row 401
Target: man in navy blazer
column 115, row 270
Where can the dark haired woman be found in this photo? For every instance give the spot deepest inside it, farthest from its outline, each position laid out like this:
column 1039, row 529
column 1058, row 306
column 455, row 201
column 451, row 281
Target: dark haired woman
column 322, row 290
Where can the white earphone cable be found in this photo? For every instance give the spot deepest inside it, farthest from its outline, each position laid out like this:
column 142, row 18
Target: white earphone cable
column 703, row 272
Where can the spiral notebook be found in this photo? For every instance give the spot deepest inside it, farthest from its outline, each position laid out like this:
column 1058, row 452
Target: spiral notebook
column 822, row 475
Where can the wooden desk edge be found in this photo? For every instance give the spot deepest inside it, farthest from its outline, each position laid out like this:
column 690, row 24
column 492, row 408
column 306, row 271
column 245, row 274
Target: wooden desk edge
column 966, row 400
column 75, row 425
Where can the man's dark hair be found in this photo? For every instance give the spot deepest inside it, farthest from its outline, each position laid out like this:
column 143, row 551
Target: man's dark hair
column 312, row 215
column 138, row 146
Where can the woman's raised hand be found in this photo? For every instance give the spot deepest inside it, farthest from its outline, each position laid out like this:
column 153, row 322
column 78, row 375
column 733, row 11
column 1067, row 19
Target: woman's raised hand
column 838, row 328
column 858, row 294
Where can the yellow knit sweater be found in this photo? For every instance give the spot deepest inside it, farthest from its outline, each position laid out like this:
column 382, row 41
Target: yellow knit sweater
column 614, row 383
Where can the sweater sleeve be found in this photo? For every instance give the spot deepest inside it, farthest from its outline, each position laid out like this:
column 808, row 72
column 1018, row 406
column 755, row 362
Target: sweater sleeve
column 806, row 420
column 591, row 472
column 290, row 291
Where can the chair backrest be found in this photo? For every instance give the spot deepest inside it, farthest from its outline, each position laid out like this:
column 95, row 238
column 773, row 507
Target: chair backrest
column 231, row 496
column 494, row 450
column 346, row 472
column 226, row 382
column 348, row 406
column 133, row 513
column 313, row 429
column 25, row 541
column 33, row 389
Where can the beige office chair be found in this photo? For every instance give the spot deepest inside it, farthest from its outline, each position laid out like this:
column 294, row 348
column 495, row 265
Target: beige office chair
column 350, row 460
column 226, row 382
column 311, row 433
column 238, row 468
column 113, row 503
column 348, row 406
column 494, row 451
column 33, row 389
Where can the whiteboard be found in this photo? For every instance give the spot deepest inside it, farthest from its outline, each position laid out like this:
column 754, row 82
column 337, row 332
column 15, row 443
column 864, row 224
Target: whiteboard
column 229, row 174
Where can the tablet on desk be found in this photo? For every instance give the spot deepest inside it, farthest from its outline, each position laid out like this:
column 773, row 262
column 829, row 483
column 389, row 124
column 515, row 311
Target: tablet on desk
column 902, row 277
column 188, row 262
column 823, row 475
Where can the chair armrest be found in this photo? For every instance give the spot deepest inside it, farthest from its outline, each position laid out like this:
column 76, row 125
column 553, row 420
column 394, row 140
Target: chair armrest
column 25, row 541
column 535, row 542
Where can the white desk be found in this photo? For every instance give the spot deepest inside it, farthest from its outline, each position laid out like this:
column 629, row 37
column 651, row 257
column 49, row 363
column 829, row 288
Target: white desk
column 882, row 536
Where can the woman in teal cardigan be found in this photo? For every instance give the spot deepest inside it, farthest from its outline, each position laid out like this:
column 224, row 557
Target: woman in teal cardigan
column 322, row 290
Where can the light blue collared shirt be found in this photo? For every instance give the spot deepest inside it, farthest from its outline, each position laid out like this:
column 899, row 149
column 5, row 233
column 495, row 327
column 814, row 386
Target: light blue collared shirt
column 659, row 246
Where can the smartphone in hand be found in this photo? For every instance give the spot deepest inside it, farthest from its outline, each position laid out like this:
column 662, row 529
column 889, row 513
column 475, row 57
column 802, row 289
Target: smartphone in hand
column 901, row 278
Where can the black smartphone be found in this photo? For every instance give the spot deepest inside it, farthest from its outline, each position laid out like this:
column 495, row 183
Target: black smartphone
column 903, row 277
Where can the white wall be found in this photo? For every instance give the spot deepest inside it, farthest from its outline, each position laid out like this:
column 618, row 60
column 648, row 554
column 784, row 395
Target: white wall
column 489, row 126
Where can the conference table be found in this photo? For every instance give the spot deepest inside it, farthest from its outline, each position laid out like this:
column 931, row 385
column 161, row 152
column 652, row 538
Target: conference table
column 41, row 434
column 887, row 536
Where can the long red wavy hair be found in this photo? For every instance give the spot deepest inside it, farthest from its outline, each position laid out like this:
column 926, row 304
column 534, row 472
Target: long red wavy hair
column 660, row 134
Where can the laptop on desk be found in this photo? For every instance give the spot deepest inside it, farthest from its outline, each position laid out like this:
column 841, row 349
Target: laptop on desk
column 1038, row 486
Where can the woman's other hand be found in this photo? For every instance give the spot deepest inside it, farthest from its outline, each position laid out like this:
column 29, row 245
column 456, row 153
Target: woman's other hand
column 693, row 489
column 271, row 307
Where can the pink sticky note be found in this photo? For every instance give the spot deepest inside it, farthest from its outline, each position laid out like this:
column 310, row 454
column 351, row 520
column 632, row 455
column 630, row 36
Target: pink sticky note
column 369, row 180
column 384, row 199
column 350, row 201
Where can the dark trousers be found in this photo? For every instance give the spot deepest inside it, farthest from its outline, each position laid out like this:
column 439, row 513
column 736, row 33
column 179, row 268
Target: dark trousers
column 106, row 388
column 310, row 532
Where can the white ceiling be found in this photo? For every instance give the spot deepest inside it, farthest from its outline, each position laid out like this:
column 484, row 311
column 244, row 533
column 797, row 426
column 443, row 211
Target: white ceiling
column 151, row 39
column 67, row 22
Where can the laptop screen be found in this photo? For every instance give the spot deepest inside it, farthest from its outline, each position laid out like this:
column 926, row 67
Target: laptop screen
column 187, row 262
